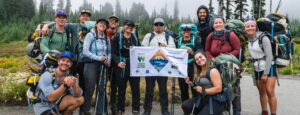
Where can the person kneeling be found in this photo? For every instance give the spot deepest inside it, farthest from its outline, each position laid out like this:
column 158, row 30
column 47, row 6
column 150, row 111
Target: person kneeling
column 207, row 82
column 56, row 92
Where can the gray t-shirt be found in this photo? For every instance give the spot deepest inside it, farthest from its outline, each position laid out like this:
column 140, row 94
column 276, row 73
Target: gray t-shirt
column 44, row 88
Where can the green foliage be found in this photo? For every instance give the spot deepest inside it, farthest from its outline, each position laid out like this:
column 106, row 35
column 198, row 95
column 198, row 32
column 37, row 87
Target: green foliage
column 13, row 93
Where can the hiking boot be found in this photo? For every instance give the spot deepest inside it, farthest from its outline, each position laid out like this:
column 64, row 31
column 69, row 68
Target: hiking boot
column 166, row 113
column 146, row 113
column 120, row 113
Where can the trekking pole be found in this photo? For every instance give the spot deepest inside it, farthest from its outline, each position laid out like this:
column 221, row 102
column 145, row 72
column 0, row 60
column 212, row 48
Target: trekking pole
column 97, row 87
column 173, row 95
column 104, row 89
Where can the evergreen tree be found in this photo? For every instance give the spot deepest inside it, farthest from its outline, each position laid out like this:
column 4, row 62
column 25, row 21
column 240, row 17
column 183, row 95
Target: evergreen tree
column 258, row 8
column 221, row 8
column 176, row 11
column 241, row 9
column 138, row 12
column 118, row 10
column 68, row 7
column 60, row 5
column 228, row 9
column 86, row 6
column 210, row 7
column 154, row 14
column 107, row 10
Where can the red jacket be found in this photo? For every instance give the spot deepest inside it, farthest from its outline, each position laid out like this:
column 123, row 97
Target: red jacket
column 215, row 47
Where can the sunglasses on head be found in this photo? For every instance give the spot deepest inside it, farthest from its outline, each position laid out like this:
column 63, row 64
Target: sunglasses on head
column 61, row 13
column 158, row 24
column 68, row 54
column 250, row 19
column 85, row 11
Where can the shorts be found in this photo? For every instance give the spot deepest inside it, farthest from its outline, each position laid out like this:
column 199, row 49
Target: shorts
column 54, row 110
column 272, row 73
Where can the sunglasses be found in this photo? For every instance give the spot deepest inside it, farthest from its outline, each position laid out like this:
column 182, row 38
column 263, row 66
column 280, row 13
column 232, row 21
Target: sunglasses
column 158, row 24
column 186, row 29
column 85, row 11
column 250, row 19
column 67, row 54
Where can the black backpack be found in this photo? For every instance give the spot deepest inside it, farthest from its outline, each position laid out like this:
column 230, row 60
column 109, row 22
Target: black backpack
column 168, row 33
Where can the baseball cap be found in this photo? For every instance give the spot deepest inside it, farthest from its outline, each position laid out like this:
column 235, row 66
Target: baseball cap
column 61, row 13
column 129, row 23
column 113, row 18
column 102, row 20
column 159, row 20
column 85, row 12
column 66, row 54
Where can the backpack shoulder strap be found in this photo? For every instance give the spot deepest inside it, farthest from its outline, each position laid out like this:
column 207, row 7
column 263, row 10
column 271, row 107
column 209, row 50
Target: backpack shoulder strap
column 151, row 37
column 227, row 35
column 167, row 37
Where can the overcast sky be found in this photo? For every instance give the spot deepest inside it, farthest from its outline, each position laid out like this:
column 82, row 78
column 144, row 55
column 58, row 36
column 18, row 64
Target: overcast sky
column 189, row 7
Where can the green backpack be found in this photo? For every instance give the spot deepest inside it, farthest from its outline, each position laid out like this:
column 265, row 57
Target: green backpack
column 230, row 68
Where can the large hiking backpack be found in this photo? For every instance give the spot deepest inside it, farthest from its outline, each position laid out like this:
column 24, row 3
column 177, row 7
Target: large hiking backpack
column 211, row 18
column 194, row 34
column 48, row 63
column 34, row 39
column 237, row 26
column 276, row 27
column 88, row 25
column 230, row 68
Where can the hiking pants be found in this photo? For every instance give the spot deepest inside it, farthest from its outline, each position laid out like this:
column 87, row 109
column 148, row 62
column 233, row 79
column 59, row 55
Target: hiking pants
column 184, row 87
column 92, row 75
column 123, row 76
column 236, row 102
column 163, row 94
column 188, row 105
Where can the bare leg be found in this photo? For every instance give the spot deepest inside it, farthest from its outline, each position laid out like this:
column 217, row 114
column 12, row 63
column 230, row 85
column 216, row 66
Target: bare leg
column 69, row 104
column 261, row 86
column 270, row 87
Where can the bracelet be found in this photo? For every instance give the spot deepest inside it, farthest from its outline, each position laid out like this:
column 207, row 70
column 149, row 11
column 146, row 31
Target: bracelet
column 65, row 85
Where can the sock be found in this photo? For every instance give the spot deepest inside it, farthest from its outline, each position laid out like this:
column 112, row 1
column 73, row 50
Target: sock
column 264, row 112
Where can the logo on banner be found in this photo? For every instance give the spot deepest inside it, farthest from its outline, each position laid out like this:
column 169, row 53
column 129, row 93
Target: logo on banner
column 141, row 59
column 158, row 61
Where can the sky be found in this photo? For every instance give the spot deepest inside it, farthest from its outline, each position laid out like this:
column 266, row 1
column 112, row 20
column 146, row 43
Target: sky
column 189, row 7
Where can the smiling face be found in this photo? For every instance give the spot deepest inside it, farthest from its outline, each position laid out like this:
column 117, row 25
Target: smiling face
column 84, row 17
column 250, row 29
column 101, row 26
column 128, row 28
column 159, row 27
column 186, row 32
column 200, row 59
column 61, row 20
column 64, row 64
column 202, row 14
column 219, row 24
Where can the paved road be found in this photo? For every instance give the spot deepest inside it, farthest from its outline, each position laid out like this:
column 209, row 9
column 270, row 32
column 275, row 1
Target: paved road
column 288, row 96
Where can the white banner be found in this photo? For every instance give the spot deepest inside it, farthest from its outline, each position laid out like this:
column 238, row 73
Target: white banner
column 158, row 61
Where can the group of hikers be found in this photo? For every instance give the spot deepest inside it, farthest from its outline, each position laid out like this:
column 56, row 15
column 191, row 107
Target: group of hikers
column 104, row 51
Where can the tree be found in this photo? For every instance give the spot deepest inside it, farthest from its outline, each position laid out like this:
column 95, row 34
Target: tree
column 60, row 5
column 48, row 6
column 68, row 7
column 107, row 10
column 228, row 9
column 164, row 13
column 154, row 14
column 176, row 11
column 138, row 12
column 258, row 8
column 118, row 10
column 210, row 7
column 240, row 9
column 221, row 8
column 86, row 6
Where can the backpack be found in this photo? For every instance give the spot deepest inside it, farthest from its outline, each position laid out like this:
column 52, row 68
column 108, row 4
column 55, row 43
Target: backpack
column 194, row 34
column 237, row 26
column 120, row 33
column 168, row 33
column 34, row 39
column 281, row 48
column 49, row 62
column 230, row 68
column 211, row 18
column 276, row 27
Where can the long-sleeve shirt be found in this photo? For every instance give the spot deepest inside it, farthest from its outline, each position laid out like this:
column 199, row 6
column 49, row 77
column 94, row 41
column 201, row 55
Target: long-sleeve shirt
column 95, row 48
column 265, row 56
column 58, row 41
column 158, row 38
column 125, row 46
column 213, row 48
